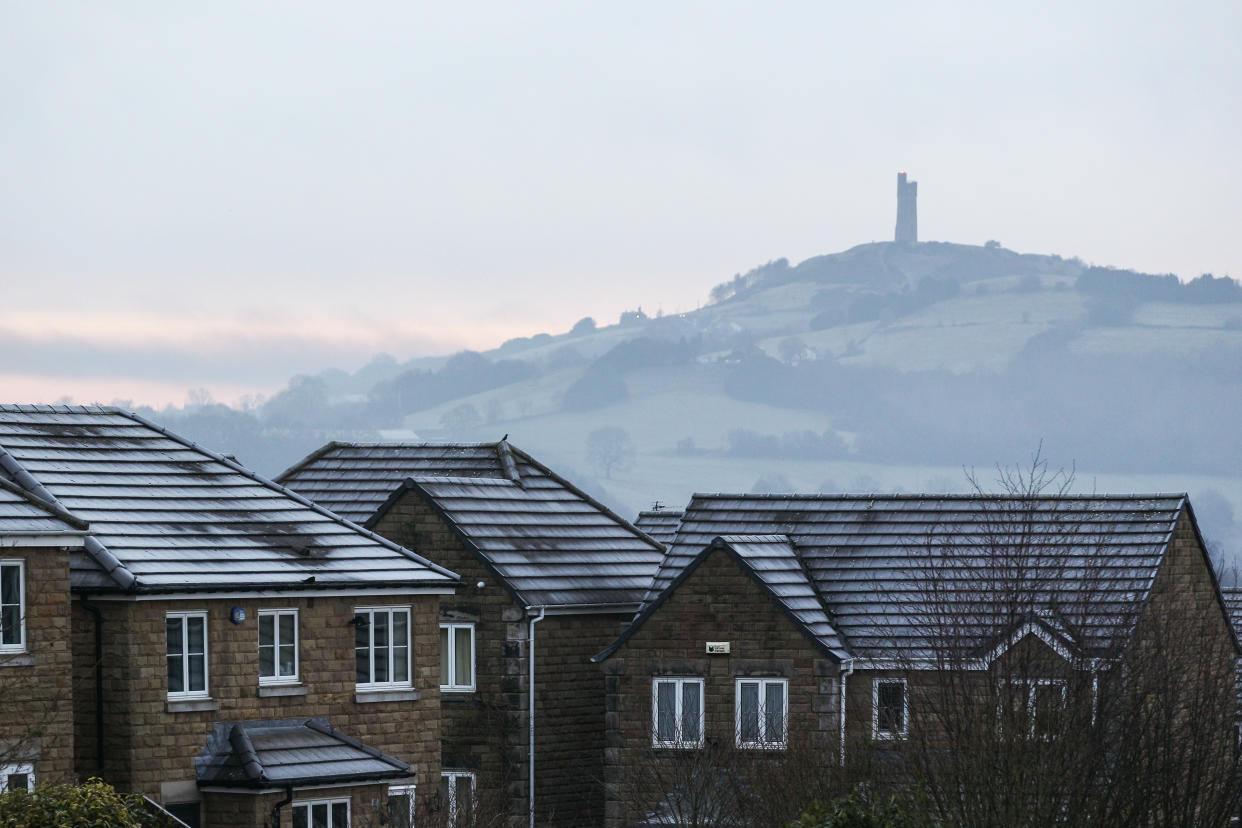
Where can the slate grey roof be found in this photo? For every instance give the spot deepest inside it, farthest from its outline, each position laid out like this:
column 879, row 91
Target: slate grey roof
column 660, row 524
column 168, row 515
column 25, row 515
column 279, row 752
column 548, row 542
column 868, row 557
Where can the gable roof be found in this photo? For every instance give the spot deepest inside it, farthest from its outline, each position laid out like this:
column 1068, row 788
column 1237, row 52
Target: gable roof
column 289, row 752
column 660, row 524
column 548, row 542
column 863, row 555
column 774, row 565
column 167, row 515
column 29, row 518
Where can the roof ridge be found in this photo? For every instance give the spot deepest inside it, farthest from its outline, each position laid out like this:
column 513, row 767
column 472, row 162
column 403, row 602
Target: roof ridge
column 931, row 496
column 51, row 507
column 40, row 408
column 260, row 479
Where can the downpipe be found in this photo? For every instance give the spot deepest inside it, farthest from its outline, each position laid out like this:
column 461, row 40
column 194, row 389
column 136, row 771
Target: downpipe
column 530, row 716
column 845, row 674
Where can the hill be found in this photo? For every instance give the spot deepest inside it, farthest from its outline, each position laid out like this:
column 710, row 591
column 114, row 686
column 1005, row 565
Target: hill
column 884, row 367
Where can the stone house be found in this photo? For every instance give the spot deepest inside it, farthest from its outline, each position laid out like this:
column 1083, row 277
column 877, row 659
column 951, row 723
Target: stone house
column 36, row 666
column 799, row 629
column 550, row 577
column 240, row 655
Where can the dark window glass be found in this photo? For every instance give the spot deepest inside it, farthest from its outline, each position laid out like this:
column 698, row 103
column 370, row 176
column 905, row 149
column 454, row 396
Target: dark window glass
column 748, row 712
column 690, row 707
column 891, row 707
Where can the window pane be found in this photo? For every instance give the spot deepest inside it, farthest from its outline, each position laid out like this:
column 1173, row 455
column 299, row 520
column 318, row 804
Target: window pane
column 267, row 631
column 690, row 705
column 267, row 661
column 774, row 712
column 299, row 816
column 319, row 815
column 891, row 707
column 176, row 676
column 1047, row 708
column 287, row 633
column 198, row 674
column 340, row 815
column 445, row 659
column 288, row 660
column 400, row 644
column 445, row 792
column 10, row 582
column 195, row 637
column 401, row 810
column 362, row 652
column 10, row 625
column 465, row 799
column 19, row 782
column 465, row 669
column 172, row 635
column 400, row 664
column 748, row 712
column 379, row 624
column 666, row 711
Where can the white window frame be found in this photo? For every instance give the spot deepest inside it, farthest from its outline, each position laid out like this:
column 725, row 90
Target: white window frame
column 876, row 733
column 452, row 686
column 307, row 803
column 7, row 770
column 275, row 615
column 411, row 791
column 1032, row 688
column 205, row 693
column 20, row 646
column 452, row 776
column 408, row 682
column 678, row 682
column 763, row 743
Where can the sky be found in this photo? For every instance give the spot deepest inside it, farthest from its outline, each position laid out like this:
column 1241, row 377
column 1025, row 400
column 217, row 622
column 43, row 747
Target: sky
column 221, row 195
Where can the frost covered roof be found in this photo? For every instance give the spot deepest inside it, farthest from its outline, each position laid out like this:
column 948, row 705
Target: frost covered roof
column 279, row 752
column 660, row 524
column 547, row 541
column 23, row 515
column 168, row 515
column 871, row 559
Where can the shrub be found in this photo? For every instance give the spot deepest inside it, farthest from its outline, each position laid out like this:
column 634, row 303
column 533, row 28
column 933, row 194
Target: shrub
column 95, row 804
column 852, row 812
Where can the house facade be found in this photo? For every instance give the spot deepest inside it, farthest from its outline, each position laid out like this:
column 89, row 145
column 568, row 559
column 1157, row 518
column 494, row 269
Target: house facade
column 549, row 577
column 805, row 638
column 239, row 654
column 36, row 730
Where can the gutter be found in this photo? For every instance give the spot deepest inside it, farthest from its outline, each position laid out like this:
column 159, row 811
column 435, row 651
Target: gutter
column 530, row 716
column 99, row 684
column 845, row 674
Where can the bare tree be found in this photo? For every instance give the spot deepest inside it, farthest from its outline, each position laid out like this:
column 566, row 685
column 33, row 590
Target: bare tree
column 610, row 448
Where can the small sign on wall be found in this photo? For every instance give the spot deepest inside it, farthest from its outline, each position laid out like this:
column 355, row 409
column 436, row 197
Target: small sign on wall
column 718, row 648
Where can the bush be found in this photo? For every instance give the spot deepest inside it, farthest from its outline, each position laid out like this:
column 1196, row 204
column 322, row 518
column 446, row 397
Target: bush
column 93, row 805
column 851, row 812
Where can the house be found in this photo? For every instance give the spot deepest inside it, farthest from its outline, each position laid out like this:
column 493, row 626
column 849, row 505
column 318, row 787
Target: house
column 36, row 665
column 828, row 624
column 240, row 655
column 550, row 577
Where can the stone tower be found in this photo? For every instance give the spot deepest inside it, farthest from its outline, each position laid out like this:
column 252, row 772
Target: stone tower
column 907, row 209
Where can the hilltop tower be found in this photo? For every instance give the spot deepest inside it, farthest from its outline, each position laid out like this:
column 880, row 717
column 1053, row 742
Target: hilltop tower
column 907, row 209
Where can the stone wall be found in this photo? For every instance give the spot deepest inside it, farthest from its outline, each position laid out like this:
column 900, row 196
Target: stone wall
column 36, row 691
column 150, row 744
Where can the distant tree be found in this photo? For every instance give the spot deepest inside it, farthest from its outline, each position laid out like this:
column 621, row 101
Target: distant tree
column 773, row 483
column 582, row 327
column 301, row 404
column 199, row 397
column 992, row 244
column 461, row 420
column 610, row 448
column 595, row 389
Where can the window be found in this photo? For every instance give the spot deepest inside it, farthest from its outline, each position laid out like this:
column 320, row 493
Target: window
column 677, row 712
column 890, row 709
column 382, row 647
column 17, row 778
column 401, row 805
column 761, row 705
column 321, row 813
column 457, row 792
column 187, row 654
column 188, row 812
column 278, row 646
column 12, row 607
column 457, row 657
column 1034, row 705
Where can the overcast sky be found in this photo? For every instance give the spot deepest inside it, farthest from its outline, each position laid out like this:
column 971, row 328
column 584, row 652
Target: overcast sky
column 223, row 194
